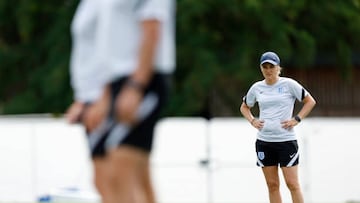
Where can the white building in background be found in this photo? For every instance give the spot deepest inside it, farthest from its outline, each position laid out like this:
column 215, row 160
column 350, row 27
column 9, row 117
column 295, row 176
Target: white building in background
column 194, row 161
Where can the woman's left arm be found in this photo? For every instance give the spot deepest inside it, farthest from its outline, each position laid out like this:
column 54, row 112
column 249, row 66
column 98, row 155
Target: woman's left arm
column 309, row 103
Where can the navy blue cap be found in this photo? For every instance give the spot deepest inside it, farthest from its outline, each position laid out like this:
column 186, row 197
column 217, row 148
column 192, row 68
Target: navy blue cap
column 270, row 57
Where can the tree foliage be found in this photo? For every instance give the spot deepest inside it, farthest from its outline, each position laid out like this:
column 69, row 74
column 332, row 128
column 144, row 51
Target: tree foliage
column 218, row 48
column 34, row 55
column 220, row 42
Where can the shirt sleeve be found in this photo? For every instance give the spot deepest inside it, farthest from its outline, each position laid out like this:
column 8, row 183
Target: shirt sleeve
column 155, row 9
column 297, row 90
column 250, row 98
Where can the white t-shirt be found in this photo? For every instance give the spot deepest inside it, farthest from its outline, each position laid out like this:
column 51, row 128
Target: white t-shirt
column 106, row 39
column 276, row 104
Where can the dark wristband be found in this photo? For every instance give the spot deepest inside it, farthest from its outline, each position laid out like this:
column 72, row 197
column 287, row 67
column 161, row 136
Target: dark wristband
column 297, row 118
column 135, row 84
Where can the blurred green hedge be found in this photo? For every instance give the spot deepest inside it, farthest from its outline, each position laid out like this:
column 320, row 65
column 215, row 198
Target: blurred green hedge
column 218, row 48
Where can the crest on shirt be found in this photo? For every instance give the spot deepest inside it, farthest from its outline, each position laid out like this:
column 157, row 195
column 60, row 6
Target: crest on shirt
column 281, row 90
column 261, row 155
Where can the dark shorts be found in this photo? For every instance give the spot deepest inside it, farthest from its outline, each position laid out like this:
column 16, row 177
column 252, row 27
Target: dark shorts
column 112, row 134
column 285, row 154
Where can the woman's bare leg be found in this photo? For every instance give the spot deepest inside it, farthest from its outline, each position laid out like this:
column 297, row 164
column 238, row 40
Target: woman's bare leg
column 273, row 183
column 292, row 182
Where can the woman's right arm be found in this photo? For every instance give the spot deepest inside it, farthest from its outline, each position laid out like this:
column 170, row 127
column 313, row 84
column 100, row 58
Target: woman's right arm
column 246, row 112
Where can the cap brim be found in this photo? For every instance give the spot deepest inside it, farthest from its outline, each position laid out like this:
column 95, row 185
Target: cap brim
column 269, row 61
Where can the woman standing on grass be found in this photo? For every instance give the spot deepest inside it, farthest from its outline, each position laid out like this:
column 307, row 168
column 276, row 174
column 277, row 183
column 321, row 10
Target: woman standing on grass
column 276, row 144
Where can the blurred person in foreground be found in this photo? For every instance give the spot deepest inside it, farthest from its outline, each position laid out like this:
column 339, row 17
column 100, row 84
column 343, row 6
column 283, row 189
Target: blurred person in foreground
column 276, row 144
column 122, row 57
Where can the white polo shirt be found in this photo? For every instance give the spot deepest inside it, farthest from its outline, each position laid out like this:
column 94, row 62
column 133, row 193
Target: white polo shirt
column 106, row 39
column 276, row 104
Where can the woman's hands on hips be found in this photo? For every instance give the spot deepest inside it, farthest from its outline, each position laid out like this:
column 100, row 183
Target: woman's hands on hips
column 258, row 124
column 289, row 124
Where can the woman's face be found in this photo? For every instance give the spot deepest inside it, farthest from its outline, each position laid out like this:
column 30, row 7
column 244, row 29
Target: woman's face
column 270, row 71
